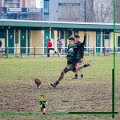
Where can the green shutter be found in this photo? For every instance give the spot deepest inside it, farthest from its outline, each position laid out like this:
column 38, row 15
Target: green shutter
column 46, row 39
column 98, row 42
column 10, row 41
column 29, row 32
column 16, row 36
column 118, row 43
column 23, row 40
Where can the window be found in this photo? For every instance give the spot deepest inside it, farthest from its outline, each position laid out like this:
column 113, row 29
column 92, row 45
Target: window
column 62, row 34
column 1, row 34
column 52, row 33
column 46, row 6
column 119, row 41
column 69, row 4
column 3, row 16
column 106, row 35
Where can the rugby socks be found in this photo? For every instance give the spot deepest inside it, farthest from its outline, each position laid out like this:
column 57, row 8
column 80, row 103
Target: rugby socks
column 76, row 76
column 81, row 75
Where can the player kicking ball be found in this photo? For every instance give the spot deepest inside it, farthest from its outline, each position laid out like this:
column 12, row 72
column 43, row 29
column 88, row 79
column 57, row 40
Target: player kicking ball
column 71, row 61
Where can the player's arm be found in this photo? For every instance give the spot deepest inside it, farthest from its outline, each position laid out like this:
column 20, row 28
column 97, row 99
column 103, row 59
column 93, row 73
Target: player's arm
column 67, row 52
column 84, row 41
column 82, row 46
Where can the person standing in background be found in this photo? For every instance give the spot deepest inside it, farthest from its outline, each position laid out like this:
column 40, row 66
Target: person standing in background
column 49, row 47
column 59, row 45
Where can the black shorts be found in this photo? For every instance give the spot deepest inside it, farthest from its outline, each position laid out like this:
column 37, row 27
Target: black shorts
column 69, row 67
column 78, row 59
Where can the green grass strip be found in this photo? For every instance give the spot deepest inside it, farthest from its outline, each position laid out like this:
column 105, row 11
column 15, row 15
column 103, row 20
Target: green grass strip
column 17, row 113
column 55, row 113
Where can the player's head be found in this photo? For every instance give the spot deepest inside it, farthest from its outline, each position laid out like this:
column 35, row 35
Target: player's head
column 77, row 37
column 71, row 40
column 42, row 97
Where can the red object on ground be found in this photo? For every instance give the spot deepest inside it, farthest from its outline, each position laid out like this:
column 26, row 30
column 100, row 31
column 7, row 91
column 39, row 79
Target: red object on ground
column 49, row 44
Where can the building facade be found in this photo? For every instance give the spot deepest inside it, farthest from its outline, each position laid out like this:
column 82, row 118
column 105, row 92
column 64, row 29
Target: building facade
column 20, row 9
column 32, row 37
column 68, row 10
column 81, row 10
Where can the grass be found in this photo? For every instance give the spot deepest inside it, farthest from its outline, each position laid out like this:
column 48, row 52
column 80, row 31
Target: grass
column 18, row 92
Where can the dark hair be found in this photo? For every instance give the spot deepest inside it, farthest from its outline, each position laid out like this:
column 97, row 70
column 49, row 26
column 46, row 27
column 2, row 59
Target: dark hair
column 71, row 38
column 76, row 36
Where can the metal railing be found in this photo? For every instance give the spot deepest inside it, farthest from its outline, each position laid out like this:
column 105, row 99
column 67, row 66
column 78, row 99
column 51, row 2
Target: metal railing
column 43, row 51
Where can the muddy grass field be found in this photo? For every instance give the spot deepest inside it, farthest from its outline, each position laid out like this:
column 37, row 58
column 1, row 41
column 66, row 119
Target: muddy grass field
column 19, row 97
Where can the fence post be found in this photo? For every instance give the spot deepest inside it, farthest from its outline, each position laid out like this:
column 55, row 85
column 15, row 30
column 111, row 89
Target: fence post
column 21, row 52
column 104, row 51
column 28, row 51
column 88, row 51
column 93, row 51
column 6, row 52
column 34, row 51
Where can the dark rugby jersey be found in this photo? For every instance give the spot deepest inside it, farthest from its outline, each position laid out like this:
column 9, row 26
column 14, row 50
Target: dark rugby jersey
column 72, row 54
column 80, row 48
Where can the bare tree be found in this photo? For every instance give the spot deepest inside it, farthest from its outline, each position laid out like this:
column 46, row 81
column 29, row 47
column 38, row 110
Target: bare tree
column 118, row 11
column 103, row 11
column 71, row 10
column 92, row 11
